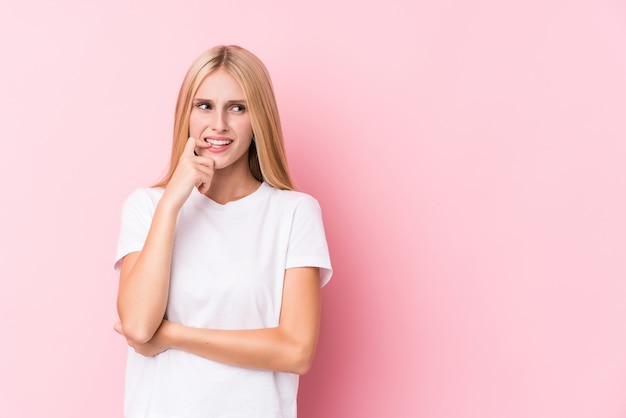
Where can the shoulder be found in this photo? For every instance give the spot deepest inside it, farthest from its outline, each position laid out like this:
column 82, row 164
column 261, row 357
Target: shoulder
column 144, row 198
column 299, row 209
column 146, row 193
column 292, row 196
column 294, row 200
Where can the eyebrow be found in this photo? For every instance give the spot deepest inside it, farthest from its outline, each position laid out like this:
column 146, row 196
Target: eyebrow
column 229, row 102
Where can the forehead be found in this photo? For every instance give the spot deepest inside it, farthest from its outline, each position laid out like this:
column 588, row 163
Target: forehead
column 220, row 85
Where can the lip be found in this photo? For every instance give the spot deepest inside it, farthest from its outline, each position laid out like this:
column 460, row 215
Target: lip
column 218, row 148
column 218, row 138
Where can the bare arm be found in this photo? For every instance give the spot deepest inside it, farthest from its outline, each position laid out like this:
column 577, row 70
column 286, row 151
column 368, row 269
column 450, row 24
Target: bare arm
column 290, row 347
column 145, row 278
column 145, row 275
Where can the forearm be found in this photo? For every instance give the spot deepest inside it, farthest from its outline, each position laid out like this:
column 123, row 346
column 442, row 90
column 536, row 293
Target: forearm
column 268, row 348
column 145, row 278
column 289, row 347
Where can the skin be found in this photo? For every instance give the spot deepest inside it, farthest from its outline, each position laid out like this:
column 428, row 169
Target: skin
column 218, row 112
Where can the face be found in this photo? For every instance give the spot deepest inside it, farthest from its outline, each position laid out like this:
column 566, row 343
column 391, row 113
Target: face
column 219, row 116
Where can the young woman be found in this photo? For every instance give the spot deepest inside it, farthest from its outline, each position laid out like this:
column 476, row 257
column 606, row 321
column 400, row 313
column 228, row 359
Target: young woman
column 222, row 262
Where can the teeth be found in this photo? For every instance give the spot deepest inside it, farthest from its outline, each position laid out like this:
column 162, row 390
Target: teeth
column 218, row 141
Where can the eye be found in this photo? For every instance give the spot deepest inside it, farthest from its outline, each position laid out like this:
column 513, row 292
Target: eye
column 238, row 108
column 203, row 105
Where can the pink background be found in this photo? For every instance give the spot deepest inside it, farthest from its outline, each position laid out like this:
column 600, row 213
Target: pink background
column 468, row 155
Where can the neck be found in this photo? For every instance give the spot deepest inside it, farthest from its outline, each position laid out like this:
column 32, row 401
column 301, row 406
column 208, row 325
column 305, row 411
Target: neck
column 228, row 187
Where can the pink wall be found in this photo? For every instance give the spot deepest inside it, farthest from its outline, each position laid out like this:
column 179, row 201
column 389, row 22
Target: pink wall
column 469, row 158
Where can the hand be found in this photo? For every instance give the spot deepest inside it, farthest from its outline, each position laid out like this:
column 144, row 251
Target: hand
column 193, row 170
column 158, row 343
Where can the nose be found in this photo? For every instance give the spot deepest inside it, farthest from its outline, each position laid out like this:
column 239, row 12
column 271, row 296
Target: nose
column 219, row 122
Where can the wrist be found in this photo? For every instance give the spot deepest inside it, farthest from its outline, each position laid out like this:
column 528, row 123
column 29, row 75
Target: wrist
column 167, row 207
column 172, row 334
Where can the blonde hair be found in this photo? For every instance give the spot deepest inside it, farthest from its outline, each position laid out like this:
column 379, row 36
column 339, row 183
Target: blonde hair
column 266, row 156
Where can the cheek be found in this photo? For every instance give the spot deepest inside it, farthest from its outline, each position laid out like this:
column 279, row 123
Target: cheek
column 195, row 125
column 245, row 127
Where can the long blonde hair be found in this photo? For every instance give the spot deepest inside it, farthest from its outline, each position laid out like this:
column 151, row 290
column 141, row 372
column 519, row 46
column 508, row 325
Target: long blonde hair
column 266, row 156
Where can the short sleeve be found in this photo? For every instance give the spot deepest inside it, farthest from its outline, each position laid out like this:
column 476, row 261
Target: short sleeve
column 307, row 241
column 137, row 213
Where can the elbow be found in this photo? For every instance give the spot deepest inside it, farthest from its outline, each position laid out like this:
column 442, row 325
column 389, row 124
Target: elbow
column 303, row 368
column 136, row 333
column 136, row 328
column 302, row 360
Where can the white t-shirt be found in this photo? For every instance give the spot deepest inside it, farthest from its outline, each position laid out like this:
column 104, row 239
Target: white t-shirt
column 228, row 267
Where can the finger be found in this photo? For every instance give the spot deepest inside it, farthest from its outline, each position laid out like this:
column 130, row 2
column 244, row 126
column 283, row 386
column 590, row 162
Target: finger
column 205, row 167
column 204, row 178
column 189, row 146
column 205, row 184
column 203, row 188
column 206, row 162
column 200, row 145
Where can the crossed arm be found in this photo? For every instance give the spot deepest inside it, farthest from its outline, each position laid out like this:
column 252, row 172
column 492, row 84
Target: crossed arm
column 289, row 347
